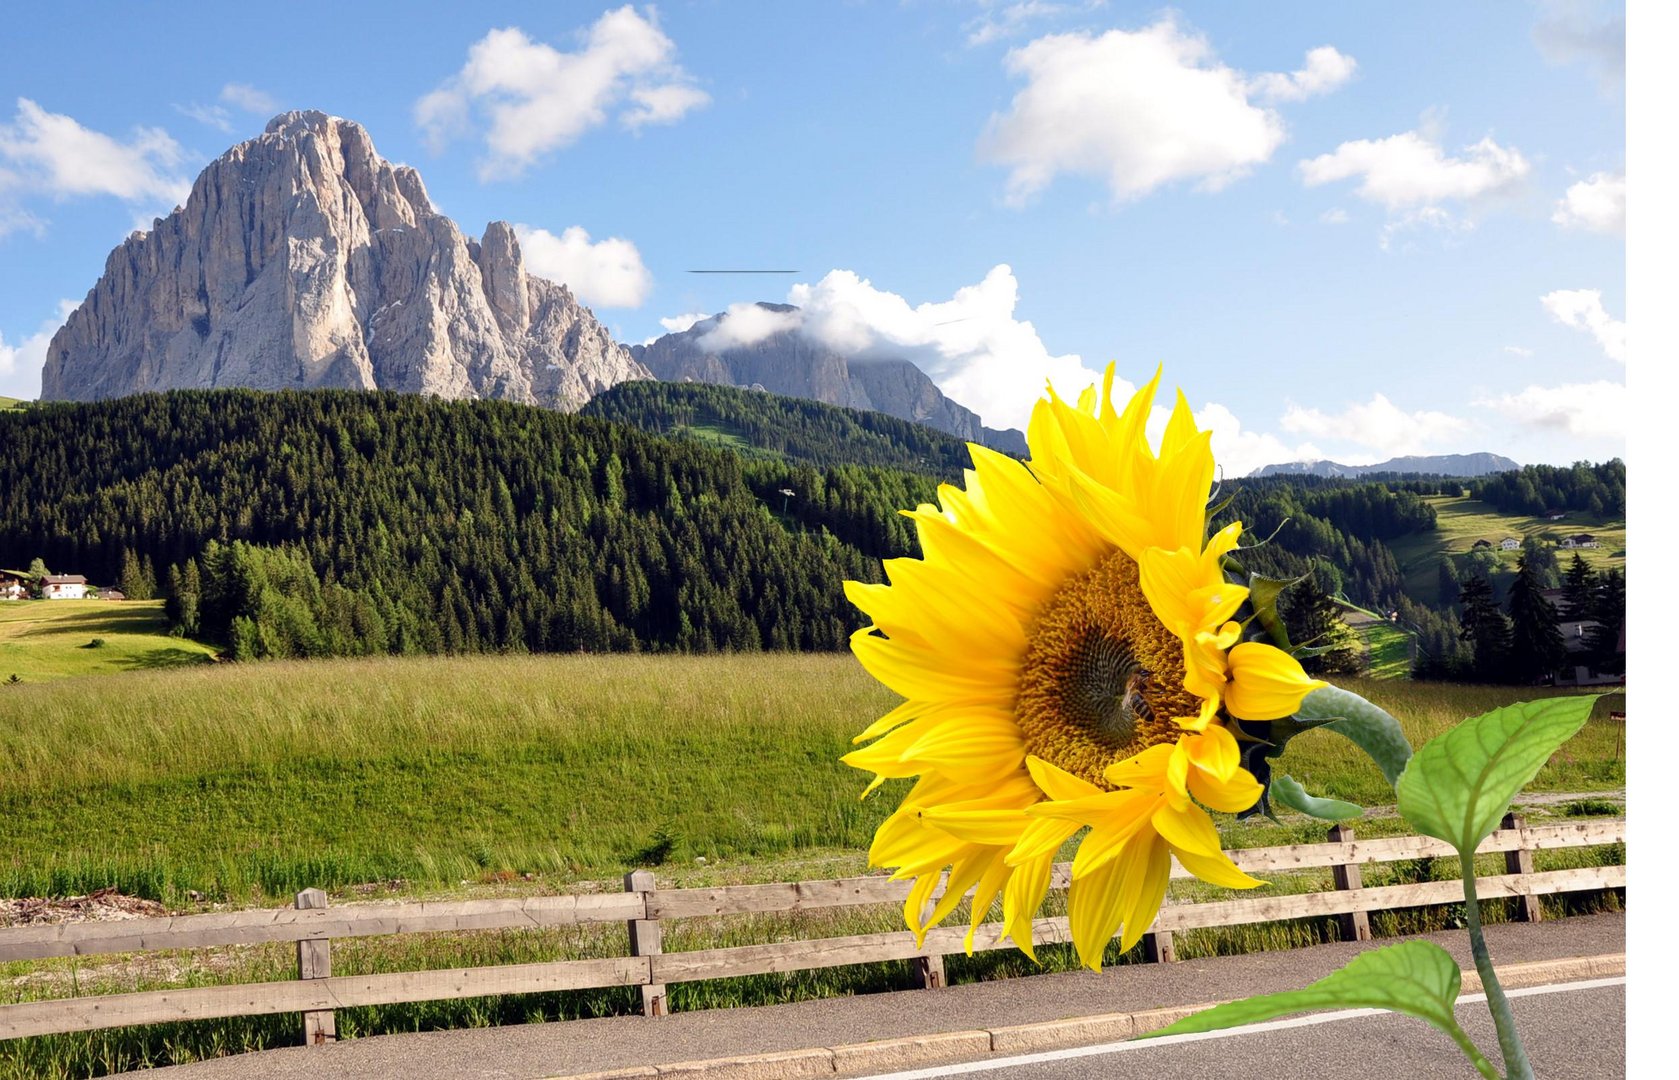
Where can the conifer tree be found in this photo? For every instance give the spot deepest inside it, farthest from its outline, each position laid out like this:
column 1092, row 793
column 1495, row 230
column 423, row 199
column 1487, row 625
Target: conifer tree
column 1536, row 644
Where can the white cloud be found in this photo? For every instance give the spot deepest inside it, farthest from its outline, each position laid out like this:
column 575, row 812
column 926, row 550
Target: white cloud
column 1411, row 170
column 998, row 21
column 1378, row 424
column 747, row 324
column 676, row 324
column 249, row 98
column 53, row 154
column 1582, row 309
column 1240, row 451
column 209, row 115
column 1334, row 216
column 20, row 364
column 1135, row 109
column 1591, row 409
column 1327, row 69
column 1585, row 31
column 1597, row 203
column 971, row 345
column 536, row 98
column 603, row 273
column 1518, row 350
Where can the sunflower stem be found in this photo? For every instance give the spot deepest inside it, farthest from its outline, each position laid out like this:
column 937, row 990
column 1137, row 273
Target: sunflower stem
column 1516, row 1066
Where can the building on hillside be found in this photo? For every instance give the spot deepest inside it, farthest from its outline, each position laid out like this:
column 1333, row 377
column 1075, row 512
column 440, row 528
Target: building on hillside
column 1479, row 544
column 13, row 586
column 1585, row 540
column 1510, row 543
column 112, row 594
column 64, row 587
column 1555, row 515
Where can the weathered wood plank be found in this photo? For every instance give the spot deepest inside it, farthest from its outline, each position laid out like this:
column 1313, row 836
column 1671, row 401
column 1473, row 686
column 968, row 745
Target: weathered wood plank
column 1355, row 925
column 337, row 992
column 647, row 938
column 1520, row 861
column 290, row 924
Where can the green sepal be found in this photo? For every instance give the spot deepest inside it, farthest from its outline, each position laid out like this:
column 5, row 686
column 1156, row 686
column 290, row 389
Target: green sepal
column 1417, row 978
column 1289, row 793
column 1262, row 741
column 1459, row 786
column 1262, row 594
column 1370, row 728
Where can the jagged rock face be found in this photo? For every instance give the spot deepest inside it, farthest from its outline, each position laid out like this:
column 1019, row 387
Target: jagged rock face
column 787, row 362
column 303, row 259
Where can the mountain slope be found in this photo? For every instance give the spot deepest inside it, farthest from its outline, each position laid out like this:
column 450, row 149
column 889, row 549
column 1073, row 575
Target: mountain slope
column 302, row 259
column 793, row 428
column 1480, row 464
column 785, row 361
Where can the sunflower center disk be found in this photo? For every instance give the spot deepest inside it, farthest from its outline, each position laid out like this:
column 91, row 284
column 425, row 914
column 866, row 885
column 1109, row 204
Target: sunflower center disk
column 1102, row 678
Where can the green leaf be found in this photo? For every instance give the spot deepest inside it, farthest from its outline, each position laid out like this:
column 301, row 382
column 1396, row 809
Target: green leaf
column 1287, row 791
column 1370, row 728
column 1417, row 978
column 1458, row 786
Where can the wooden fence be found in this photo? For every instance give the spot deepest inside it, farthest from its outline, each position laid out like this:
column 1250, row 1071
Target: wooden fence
column 643, row 909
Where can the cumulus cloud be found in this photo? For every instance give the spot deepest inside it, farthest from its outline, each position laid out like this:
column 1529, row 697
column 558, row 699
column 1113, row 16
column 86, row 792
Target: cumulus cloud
column 1597, row 204
column 1518, row 350
column 1327, row 69
column 602, row 273
column 1378, row 424
column 1590, row 409
column 20, row 364
column 1334, row 216
column 676, row 324
column 1135, row 109
column 535, row 98
column 52, row 154
column 1411, row 170
column 248, row 98
column 1582, row 309
column 747, row 324
column 1239, row 451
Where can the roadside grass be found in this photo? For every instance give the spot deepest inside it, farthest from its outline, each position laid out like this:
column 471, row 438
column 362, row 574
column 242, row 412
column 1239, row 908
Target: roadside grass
column 45, row 640
column 503, row 776
column 1461, row 521
column 1389, row 651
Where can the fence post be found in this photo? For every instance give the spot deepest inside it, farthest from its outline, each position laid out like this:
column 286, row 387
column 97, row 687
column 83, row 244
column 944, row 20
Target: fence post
column 647, row 938
column 1159, row 948
column 929, row 970
column 1355, row 925
column 1520, row 861
column 314, row 961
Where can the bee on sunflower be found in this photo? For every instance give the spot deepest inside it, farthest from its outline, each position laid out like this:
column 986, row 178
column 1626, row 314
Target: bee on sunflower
column 1071, row 654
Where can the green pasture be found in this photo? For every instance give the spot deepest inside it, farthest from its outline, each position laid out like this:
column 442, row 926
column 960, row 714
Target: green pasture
column 1462, row 521
column 43, row 640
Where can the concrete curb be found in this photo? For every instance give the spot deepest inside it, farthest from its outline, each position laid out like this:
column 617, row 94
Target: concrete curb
column 916, row 1051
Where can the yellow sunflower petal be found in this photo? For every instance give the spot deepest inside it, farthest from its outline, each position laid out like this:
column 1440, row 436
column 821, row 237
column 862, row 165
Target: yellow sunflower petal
column 1215, row 752
column 1265, row 682
column 1093, row 912
column 1147, row 868
column 1187, row 828
column 1216, row 869
column 1230, row 796
column 1022, row 897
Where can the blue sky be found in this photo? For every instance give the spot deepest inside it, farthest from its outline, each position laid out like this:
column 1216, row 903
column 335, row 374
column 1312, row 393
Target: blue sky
column 1348, row 231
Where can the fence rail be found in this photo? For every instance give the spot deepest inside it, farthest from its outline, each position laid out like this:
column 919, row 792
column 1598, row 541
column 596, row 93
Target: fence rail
column 642, row 908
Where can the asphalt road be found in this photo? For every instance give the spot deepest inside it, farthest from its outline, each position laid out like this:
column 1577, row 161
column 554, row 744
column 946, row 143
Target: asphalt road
column 1570, row 1031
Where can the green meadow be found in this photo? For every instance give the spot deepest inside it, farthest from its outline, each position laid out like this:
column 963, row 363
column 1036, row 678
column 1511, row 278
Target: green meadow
column 43, row 640
column 230, row 785
column 1462, row 521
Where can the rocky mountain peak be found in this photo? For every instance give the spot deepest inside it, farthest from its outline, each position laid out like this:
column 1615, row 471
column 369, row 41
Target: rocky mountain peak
column 303, row 259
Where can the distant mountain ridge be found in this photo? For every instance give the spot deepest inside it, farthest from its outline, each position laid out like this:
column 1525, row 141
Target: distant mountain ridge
column 790, row 363
column 1481, row 464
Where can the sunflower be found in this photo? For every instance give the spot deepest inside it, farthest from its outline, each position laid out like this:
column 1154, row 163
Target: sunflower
column 1070, row 660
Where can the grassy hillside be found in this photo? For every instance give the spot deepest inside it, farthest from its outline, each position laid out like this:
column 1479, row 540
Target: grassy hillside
column 1462, row 521
column 43, row 640
column 12, row 403
column 244, row 781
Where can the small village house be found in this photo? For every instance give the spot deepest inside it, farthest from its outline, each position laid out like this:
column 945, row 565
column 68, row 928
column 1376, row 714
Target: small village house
column 1582, row 540
column 13, row 585
column 1479, row 544
column 1510, row 543
column 64, row 587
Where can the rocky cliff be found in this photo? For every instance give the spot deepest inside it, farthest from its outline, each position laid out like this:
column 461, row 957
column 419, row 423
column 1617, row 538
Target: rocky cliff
column 303, row 259
column 788, row 362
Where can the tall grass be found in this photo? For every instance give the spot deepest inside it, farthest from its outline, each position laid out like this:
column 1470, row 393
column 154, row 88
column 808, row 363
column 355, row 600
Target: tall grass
column 246, row 783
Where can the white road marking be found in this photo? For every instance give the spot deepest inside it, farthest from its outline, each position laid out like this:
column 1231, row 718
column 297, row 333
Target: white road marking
column 993, row 1064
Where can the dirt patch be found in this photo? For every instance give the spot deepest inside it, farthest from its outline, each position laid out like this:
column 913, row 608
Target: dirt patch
column 101, row 904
